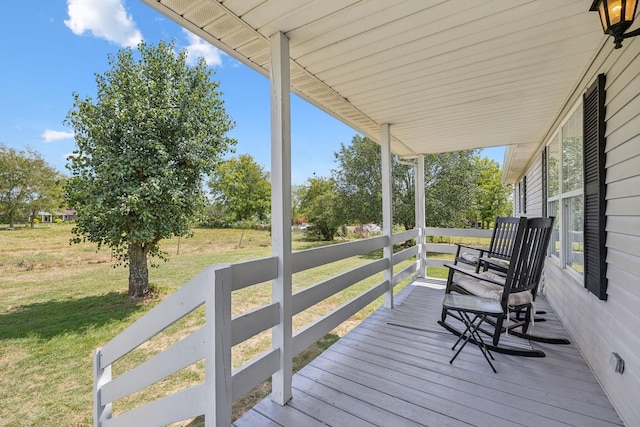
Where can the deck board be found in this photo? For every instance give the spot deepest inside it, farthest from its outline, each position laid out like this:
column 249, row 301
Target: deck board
column 393, row 369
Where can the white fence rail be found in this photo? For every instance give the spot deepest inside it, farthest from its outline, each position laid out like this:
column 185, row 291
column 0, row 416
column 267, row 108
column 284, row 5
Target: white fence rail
column 446, row 247
column 212, row 342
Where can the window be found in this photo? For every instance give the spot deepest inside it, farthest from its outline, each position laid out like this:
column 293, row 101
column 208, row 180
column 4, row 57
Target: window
column 565, row 192
column 522, row 195
column 575, row 189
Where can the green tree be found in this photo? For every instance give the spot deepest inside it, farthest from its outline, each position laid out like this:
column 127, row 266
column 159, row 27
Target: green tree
column 47, row 192
column 404, row 195
column 318, row 204
column 358, row 181
column 143, row 148
column 28, row 184
column 492, row 198
column 241, row 186
column 449, row 186
column 297, row 194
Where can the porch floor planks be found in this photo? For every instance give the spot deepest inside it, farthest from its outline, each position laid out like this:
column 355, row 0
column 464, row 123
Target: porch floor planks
column 381, row 374
column 471, row 385
column 536, row 391
column 469, row 403
column 390, row 408
column 442, row 397
column 547, row 365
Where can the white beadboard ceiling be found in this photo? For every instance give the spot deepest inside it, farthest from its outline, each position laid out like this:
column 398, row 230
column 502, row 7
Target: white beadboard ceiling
column 446, row 74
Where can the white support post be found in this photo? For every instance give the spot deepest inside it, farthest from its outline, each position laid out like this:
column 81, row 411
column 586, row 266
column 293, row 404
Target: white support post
column 387, row 209
column 420, row 215
column 281, row 213
column 218, row 393
column 101, row 376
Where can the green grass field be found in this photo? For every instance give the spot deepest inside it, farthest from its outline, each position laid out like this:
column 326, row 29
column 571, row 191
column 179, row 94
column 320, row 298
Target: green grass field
column 58, row 302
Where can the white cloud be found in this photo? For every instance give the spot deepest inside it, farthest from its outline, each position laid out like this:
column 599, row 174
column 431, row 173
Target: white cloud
column 199, row 48
column 55, row 135
column 106, row 19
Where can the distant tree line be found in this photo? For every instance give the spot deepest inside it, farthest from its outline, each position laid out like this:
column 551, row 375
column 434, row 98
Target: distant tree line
column 461, row 190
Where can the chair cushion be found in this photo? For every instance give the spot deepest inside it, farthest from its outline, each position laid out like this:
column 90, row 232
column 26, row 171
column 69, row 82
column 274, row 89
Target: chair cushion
column 493, row 276
column 500, row 263
column 486, row 289
column 469, row 258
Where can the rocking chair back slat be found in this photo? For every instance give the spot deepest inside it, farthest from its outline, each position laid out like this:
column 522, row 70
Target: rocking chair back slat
column 504, row 233
column 498, row 253
column 527, row 260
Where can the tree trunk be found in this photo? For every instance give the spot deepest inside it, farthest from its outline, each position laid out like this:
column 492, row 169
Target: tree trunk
column 138, row 271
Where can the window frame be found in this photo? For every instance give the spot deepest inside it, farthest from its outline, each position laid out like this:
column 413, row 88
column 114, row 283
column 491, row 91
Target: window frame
column 562, row 197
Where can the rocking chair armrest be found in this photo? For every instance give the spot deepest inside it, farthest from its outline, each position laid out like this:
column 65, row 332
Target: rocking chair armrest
column 473, row 274
column 481, row 249
column 460, row 257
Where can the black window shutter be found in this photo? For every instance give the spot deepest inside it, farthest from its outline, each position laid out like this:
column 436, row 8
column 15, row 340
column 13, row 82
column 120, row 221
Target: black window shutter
column 544, row 181
column 595, row 250
column 524, row 194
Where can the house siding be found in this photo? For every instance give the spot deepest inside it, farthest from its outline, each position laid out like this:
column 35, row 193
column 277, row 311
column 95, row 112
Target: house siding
column 602, row 327
column 534, row 187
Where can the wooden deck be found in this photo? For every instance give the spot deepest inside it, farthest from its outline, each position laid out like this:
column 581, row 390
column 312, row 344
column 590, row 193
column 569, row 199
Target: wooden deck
column 393, row 370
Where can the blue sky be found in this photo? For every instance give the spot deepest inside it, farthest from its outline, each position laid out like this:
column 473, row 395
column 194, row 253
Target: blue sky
column 52, row 48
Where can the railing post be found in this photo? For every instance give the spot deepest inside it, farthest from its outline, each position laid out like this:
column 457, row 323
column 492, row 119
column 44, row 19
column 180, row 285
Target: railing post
column 218, row 349
column 420, row 216
column 387, row 210
column 281, row 213
column 101, row 376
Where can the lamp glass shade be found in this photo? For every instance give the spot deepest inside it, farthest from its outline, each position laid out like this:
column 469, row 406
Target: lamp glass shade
column 602, row 11
column 615, row 11
column 630, row 11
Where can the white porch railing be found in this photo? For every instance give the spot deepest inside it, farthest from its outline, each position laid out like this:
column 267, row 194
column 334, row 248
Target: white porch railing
column 449, row 248
column 213, row 341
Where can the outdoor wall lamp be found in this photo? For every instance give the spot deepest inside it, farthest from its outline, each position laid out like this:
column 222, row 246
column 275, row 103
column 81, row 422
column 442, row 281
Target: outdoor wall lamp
column 616, row 16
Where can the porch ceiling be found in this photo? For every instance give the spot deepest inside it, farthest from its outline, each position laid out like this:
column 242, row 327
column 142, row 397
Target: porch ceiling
column 447, row 75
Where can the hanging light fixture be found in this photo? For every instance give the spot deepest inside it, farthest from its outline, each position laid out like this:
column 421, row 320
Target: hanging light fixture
column 616, row 17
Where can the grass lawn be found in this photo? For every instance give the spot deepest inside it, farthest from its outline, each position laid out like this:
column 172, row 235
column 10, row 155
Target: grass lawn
column 58, row 302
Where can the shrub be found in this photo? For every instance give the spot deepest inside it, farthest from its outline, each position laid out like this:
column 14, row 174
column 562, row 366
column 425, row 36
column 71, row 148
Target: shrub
column 215, row 222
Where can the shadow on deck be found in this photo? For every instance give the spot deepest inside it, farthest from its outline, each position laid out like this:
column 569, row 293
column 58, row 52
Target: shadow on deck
column 393, row 370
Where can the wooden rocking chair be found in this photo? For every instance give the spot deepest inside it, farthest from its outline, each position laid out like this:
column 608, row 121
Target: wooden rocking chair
column 496, row 255
column 515, row 291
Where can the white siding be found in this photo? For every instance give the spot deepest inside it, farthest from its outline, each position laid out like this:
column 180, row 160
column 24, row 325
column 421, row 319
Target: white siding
column 534, row 187
column 602, row 327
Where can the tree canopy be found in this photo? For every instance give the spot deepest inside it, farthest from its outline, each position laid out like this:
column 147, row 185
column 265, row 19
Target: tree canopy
column 450, row 184
column 28, row 184
column 319, row 204
column 241, row 186
column 358, row 181
column 492, row 198
column 156, row 128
